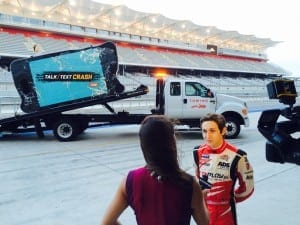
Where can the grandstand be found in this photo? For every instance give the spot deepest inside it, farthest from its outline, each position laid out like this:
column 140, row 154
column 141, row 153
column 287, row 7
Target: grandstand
column 226, row 61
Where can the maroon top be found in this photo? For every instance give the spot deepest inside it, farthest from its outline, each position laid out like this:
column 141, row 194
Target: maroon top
column 158, row 202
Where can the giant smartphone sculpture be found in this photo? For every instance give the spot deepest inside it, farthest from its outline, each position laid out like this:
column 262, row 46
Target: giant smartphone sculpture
column 66, row 77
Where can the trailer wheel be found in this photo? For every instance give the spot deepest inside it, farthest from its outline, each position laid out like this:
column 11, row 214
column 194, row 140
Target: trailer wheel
column 65, row 130
column 233, row 128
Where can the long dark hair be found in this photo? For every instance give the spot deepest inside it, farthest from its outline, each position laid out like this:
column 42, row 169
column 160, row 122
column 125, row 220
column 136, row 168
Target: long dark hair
column 158, row 143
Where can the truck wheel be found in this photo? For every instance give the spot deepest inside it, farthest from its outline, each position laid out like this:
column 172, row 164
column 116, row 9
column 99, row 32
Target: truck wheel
column 233, row 128
column 65, row 130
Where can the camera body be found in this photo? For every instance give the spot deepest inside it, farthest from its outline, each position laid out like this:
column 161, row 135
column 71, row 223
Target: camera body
column 281, row 146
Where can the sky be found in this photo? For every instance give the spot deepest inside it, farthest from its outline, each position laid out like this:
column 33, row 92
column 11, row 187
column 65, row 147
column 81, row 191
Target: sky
column 278, row 20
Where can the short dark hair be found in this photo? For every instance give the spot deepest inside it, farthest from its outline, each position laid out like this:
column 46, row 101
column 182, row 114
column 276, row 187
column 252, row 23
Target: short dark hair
column 217, row 118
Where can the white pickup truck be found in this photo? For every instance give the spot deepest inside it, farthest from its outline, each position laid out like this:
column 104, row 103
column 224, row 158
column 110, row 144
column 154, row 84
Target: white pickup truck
column 188, row 100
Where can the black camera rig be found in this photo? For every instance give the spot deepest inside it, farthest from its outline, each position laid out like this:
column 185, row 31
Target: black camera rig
column 281, row 146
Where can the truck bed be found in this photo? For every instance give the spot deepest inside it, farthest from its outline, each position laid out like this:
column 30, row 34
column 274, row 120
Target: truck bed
column 8, row 123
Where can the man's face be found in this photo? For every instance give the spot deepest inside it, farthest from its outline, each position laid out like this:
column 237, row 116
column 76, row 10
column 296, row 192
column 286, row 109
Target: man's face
column 211, row 134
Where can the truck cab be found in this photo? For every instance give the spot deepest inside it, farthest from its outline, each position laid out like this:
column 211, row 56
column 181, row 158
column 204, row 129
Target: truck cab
column 187, row 100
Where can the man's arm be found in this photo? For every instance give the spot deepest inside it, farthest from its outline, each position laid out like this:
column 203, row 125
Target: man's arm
column 196, row 161
column 245, row 179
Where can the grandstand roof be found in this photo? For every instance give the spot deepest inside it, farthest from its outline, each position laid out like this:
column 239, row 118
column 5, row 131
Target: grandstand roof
column 120, row 18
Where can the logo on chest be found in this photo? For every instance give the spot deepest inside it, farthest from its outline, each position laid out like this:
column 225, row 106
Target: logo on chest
column 223, row 165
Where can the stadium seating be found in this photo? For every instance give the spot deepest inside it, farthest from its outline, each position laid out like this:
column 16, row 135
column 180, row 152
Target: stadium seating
column 18, row 44
column 9, row 97
column 14, row 45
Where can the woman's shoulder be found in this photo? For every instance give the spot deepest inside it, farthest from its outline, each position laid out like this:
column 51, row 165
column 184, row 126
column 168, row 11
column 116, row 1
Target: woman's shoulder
column 138, row 170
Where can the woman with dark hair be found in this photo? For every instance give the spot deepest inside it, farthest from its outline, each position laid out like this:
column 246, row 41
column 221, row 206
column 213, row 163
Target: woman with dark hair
column 160, row 193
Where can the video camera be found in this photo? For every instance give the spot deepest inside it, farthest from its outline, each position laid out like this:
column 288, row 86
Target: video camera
column 281, row 146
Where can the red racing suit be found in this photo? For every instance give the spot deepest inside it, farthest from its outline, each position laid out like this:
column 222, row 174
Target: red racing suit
column 220, row 169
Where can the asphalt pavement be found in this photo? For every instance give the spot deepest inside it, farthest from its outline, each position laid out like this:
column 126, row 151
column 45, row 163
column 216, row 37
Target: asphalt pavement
column 46, row 182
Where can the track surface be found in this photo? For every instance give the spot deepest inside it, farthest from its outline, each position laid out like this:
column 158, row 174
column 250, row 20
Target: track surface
column 46, row 182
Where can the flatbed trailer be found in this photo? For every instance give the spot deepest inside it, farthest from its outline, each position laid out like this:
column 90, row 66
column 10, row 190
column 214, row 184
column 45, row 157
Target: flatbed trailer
column 52, row 85
column 67, row 126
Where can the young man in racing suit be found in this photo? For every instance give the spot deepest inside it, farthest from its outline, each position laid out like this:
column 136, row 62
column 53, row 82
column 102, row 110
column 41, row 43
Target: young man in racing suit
column 218, row 166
